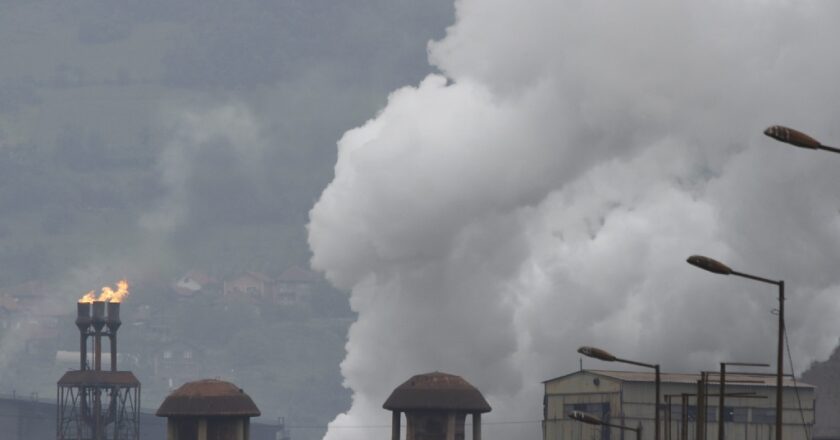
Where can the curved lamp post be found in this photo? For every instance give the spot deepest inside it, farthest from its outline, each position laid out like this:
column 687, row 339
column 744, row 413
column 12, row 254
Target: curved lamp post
column 717, row 267
column 797, row 138
column 606, row 356
column 592, row 420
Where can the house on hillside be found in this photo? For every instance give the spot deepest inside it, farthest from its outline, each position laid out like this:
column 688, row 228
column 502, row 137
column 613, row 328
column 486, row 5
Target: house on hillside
column 8, row 309
column 294, row 285
column 250, row 285
column 28, row 294
column 193, row 282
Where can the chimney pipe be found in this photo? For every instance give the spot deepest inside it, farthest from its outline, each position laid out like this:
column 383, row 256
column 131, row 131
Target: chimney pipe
column 98, row 323
column 83, row 323
column 113, row 322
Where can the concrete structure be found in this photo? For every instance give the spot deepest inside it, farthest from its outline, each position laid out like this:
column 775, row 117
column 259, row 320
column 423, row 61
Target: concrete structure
column 208, row 409
column 627, row 398
column 436, row 406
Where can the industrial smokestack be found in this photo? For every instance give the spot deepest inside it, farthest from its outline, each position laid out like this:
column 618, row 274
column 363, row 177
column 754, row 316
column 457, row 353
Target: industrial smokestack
column 83, row 316
column 83, row 321
column 98, row 315
column 98, row 323
column 113, row 322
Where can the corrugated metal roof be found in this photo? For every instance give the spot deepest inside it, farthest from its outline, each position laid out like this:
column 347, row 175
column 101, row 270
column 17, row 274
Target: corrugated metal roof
column 690, row 378
column 208, row 397
column 437, row 391
column 98, row 378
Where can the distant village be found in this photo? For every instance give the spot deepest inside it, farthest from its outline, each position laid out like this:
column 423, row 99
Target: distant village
column 171, row 357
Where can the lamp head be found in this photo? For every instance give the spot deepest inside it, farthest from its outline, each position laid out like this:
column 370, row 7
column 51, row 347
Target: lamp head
column 793, row 137
column 596, row 353
column 709, row 264
column 585, row 418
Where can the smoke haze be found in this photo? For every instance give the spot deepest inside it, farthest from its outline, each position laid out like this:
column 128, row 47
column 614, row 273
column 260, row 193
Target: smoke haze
column 543, row 191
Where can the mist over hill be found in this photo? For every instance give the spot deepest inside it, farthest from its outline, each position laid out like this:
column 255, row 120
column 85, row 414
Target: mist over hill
column 148, row 139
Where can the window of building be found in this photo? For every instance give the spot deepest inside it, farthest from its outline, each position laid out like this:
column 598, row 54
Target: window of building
column 711, row 414
column 597, row 409
column 764, row 415
column 740, row 415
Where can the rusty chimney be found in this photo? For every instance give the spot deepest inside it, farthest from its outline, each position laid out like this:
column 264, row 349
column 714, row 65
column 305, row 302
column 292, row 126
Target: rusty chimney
column 208, row 409
column 113, row 322
column 436, row 406
column 98, row 324
column 92, row 403
column 83, row 322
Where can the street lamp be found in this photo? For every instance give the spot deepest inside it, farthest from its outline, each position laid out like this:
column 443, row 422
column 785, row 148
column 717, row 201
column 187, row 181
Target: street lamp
column 717, row 267
column 797, row 138
column 604, row 355
column 592, row 420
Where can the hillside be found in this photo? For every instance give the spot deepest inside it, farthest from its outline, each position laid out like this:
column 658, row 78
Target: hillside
column 825, row 376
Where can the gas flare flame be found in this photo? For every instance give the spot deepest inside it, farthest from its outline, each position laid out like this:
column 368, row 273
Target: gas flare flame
column 108, row 294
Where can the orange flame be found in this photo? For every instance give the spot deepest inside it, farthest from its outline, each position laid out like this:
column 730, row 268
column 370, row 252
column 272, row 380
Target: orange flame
column 88, row 298
column 108, row 294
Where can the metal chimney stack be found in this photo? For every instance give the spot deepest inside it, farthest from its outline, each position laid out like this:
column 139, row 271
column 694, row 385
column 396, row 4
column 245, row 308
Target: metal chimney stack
column 83, row 321
column 94, row 404
column 113, row 323
column 105, row 316
column 98, row 325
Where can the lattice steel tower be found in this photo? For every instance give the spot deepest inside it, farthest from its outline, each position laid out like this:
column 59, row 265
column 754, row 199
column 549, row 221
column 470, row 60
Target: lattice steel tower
column 97, row 404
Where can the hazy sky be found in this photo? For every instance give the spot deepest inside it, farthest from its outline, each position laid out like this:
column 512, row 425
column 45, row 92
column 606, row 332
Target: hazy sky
column 146, row 138
column 544, row 190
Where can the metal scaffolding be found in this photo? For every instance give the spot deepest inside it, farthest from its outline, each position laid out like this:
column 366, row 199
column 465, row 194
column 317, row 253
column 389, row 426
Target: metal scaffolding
column 96, row 404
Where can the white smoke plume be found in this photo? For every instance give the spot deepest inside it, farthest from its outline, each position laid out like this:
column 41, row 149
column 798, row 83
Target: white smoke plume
column 544, row 191
column 190, row 130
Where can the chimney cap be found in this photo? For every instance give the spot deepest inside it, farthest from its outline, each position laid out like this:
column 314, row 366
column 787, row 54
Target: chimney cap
column 437, row 391
column 208, row 397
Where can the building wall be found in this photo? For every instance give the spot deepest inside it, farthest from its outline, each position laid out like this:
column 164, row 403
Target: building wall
column 581, row 392
column 632, row 403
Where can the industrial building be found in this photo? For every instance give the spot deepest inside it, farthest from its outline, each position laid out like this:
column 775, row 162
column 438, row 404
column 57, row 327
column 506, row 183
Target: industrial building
column 628, row 399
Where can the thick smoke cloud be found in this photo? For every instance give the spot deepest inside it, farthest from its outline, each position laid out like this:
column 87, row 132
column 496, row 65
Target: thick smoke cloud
column 544, row 190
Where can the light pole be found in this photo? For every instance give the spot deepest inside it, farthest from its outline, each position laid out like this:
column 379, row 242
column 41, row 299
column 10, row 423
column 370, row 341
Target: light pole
column 717, row 267
column 592, row 420
column 604, row 355
column 797, row 138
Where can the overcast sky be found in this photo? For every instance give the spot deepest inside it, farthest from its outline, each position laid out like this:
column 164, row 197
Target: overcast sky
column 544, row 190
column 539, row 190
column 146, row 138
